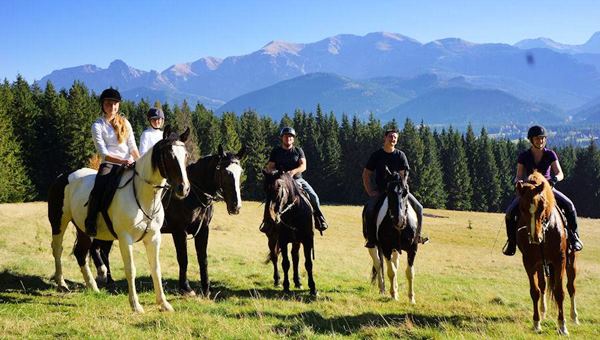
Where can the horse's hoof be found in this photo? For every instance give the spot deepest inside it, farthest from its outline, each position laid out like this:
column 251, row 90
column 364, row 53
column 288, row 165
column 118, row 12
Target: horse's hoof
column 412, row 301
column 298, row 286
column 138, row 309
column 314, row 293
column 563, row 331
column 537, row 327
column 575, row 320
column 166, row 307
column 63, row 288
column 187, row 293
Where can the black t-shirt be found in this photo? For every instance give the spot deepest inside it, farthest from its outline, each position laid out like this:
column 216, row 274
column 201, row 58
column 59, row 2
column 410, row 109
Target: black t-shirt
column 287, row 160
column 395, row 161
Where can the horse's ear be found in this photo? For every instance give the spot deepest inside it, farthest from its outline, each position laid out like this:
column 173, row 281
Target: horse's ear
column 540, row 188
column 220, row 151
column 519, row 188
column 242, row 153
column 167, row 131
column 184, row 136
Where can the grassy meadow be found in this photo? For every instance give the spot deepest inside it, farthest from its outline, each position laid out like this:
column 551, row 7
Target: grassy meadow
column 464, row 286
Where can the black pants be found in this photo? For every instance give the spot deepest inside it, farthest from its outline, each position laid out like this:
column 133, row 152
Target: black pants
column 369, row 228
column 105, row 186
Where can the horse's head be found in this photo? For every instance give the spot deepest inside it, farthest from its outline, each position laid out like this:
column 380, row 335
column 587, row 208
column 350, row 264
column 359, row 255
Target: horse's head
column 228, row 173
column 397, row 195
column 279, row 188
column 169, row 155
column 536, row 202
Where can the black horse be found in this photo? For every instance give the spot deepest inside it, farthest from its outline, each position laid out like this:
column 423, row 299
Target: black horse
column 289, row 212
column 396, row 224
column 211, row 178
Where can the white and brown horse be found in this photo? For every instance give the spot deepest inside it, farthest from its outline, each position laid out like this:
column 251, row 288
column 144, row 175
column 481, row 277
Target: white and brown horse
column 542, row 239
column 136, row 213
column 396, row 225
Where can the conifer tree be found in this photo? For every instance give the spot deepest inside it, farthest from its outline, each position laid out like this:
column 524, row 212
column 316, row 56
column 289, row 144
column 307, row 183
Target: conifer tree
column 83, row 110
column 331, row 159
column 229, row 132
column 584, row 186
column 208, row 130
column 15, row 185
column 431, row 188
column 504, row 153
column 252, row 137
column 411, row 144
column 184, row 120
column 456, row 173
column 486, row 184
column 471, row 147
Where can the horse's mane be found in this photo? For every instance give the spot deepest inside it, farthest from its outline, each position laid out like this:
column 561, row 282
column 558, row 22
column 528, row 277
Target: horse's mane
column 290, row 184
column 536, row 179
column 172, row 138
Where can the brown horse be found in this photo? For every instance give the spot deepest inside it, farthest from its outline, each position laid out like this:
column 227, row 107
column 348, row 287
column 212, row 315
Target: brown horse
column 542, row 239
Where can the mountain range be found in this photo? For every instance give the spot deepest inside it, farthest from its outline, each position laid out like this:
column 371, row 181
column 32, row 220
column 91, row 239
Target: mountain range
column 387, row 74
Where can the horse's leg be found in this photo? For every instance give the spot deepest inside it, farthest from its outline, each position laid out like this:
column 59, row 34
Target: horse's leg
column 82, row 247
column 571, row 274
column 410, row 274
column 542, row 285
column 152, row 243
column 376, row 272
column 57, row 249
column 534, row 291
column 295, row 260
column 98, row 262
column 201, row 242
column 126, row 247
column 105, row 247
column 559, row 295
column 392, row 270
column 273, row 257
column 308, row 264
column 285, row 264
column 180, row 242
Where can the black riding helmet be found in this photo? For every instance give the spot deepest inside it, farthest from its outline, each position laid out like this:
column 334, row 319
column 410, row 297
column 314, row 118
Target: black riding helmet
column 287, row 131
column 155, row 113
column 535, row 131
column 110, row 93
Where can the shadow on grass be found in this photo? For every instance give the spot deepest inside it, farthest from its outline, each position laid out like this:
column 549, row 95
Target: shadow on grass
column 293, row 325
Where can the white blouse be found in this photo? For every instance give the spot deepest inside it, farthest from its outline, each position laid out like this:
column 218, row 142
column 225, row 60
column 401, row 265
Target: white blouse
column 149, row 137
column 106, row 142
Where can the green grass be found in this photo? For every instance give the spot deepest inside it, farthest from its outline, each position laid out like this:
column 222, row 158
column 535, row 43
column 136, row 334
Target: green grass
column 464, row 287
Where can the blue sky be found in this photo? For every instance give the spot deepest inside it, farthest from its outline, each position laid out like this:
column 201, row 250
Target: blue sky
column 40, row 36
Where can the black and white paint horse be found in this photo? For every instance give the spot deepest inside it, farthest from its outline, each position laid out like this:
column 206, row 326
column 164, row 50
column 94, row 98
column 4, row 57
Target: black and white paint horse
column 136, row 213
column 396, row 223
column 211, row 178
column 290, row 213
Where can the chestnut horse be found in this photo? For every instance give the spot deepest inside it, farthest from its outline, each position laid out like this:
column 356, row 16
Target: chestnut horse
column 542, row 239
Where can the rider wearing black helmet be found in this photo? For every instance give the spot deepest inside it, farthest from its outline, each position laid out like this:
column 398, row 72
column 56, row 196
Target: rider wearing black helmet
column 291, row 159
column 545, row 161
column 114, row 142
column 152, row 134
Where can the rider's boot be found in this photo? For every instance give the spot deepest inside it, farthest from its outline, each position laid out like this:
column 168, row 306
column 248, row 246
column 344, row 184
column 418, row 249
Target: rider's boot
column 510, row 248
column 320, row 223
column 93, row 209
column 574, row 239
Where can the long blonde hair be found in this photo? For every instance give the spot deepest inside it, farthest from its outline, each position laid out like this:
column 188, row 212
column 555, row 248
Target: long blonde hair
column 118, row 123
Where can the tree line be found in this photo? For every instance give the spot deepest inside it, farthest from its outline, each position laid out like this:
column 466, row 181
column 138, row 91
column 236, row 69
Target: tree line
column 44, row 132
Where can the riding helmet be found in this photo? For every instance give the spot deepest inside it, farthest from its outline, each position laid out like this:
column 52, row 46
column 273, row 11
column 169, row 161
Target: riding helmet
column 110, row 93
column 287, row 131
column 155, row 113
column 535, row 131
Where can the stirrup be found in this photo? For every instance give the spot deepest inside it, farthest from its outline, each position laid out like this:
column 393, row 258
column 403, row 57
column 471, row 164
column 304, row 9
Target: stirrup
column 509, row 249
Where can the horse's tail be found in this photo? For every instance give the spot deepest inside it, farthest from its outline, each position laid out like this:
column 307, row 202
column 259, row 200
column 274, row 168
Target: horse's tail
column 56, row 197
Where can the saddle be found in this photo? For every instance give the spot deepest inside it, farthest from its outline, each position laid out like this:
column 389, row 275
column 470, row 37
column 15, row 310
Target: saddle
column 108, row 193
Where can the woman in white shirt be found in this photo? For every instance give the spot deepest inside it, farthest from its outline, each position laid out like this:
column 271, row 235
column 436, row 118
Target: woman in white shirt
column 152, row 134
column 114, row 141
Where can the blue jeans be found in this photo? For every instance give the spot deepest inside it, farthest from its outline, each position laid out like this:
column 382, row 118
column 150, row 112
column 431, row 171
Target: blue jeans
column 312, row 195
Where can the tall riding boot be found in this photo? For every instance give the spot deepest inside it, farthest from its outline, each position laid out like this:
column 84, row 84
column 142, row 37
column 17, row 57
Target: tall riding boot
column 93, row 209
column 574, row 239
column 510, row 248
column 320, row 222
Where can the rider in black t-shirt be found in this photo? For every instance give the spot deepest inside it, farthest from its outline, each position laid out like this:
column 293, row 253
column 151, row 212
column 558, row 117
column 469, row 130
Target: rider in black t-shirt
column 395, row 160
column 290, row 158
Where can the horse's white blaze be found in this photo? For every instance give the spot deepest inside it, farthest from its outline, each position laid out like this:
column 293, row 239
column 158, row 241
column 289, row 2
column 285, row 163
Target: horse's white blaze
column 180, row 153
column 532, row 221
column 236, row 170
column 381, row 214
